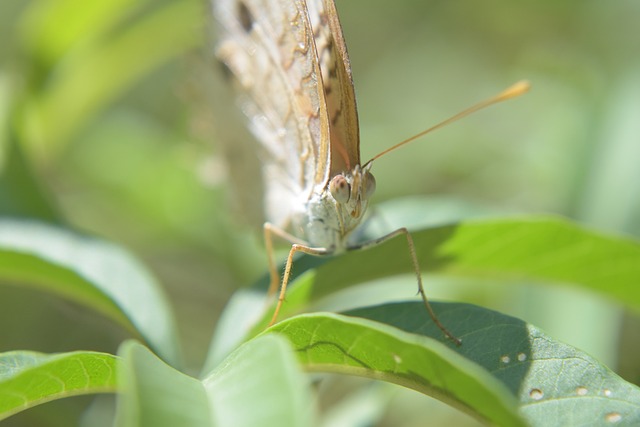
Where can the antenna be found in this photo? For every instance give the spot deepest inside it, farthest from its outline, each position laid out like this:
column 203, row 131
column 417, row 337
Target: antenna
column 512, row 91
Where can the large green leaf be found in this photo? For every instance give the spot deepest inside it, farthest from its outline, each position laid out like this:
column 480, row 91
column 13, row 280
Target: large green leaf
column 504, row 369
column 91, row 271
column 543, row 249
column 260, row 384
column 28, row 379
column 538, row 249
column 334, row 343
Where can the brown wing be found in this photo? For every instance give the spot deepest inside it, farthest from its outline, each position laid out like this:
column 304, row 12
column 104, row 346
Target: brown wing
column 269, row 47
column 338, row 85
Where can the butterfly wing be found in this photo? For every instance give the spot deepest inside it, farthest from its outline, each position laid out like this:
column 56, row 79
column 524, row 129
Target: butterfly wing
column 338, row 85
column 268, row 46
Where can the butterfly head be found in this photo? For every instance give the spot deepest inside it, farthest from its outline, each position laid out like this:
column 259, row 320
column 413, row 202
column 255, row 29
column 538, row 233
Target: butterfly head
column 352, row 190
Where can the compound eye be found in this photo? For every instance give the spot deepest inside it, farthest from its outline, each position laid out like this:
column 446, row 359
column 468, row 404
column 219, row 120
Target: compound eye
column 340, row 189
column 369, row 185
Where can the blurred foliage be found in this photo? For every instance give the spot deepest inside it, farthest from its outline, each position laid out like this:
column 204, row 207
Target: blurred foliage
column 102, row 113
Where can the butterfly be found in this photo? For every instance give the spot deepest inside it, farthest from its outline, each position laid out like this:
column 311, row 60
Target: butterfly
column 290, row 62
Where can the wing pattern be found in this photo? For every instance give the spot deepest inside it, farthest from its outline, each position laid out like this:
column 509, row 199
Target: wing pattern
column 293, row 71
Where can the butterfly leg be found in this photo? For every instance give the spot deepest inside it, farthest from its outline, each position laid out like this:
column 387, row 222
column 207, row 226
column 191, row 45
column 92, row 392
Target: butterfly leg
column 416, row 269
column 287, row 273
column 297, row 246
column 270, row 231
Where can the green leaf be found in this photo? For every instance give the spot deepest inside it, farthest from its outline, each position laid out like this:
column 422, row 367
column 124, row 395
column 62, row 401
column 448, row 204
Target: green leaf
column 334, row 343
column 503, row 367
column 264, row 372
column 258, row 384
column 544, row 250
column 575, row 389
column 155, row 394
column 241, row 313
column 92, row 272
column 28, row 379
column 540, row 249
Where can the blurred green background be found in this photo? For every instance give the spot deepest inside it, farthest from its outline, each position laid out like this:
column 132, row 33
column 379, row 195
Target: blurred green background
column 105, row 102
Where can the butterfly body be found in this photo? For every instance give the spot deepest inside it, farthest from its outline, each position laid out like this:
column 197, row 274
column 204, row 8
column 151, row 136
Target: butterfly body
column 325, row 221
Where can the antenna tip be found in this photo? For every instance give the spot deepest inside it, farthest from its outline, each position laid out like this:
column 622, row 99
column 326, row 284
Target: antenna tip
column 517, row 89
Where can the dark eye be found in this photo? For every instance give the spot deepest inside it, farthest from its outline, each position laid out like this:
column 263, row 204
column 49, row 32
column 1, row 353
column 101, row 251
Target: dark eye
column 340, row 189
column 369, row 185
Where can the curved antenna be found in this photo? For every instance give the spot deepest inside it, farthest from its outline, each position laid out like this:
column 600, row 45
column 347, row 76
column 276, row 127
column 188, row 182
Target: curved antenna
column 512, row 91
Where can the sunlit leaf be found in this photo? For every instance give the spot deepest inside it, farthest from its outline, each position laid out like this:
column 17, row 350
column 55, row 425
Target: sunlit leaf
column 543, row 249
column 28, row 378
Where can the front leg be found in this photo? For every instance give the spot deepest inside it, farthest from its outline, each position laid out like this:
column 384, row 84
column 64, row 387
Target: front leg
column 270, row 231
column 297, row 246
